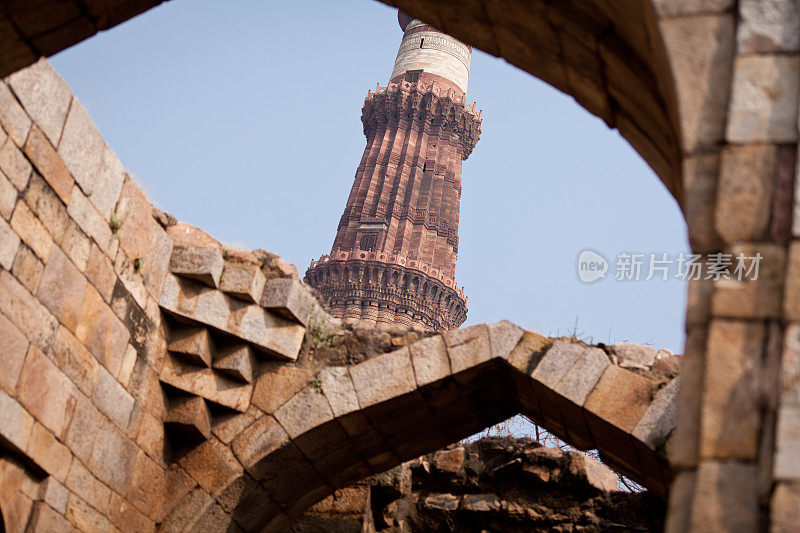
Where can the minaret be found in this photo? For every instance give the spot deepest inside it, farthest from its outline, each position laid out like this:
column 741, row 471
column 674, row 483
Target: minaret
column 394, row 256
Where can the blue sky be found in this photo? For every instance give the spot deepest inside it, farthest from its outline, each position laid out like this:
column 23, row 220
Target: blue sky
column 243, row 118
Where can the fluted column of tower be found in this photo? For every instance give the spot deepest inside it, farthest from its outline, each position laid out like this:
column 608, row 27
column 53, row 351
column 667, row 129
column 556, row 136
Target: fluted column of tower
column 394, row 256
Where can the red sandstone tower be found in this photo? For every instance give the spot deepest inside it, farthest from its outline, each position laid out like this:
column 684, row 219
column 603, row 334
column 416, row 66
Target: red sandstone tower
column 394, row 256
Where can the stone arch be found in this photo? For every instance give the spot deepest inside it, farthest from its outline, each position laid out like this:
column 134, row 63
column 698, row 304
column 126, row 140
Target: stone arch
column 351, row 422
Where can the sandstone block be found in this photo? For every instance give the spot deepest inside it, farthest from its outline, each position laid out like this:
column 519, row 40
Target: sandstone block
column 188, row 416
column 15, row 346
column 100, row 273
column 17, row 424
column 72, row 358
column 49, row 164
column 593, row 472
column 148, row 487
column 212, row 465
column 277, row 383
column 304, row 411
column 557, row 361
column 83, row 428
column 157, row 263
column 791, row 297
column 620, row 397
column 193, row 343
column 581, row 378
column 31, row 317
column 107, row 186
column 785, row 507
column 338, row 389
column 206, row 383
column 701, row 51
column 81, row 210
column 62, row 288
column 127, row 517
column 151, row 437
column 288, row 298
column 786, row 465
column 47, row 206
column 481, row 502
column 84, row 484
column 112, row 458
column 76, row 245
column 197, row 262
column 14, row 165
column 237, row 361
column 504, row 337
column 84, row 517
column 81, row 147
column 632, row 355
column 700, row 188
column 44, row 518
column 717, row 485
column 753, row 298
column 243, row 280
column 430, row 360
column 659, row 419
column 262, row 438
column 8, row 196
column 101, row 331
column 112, row 399
column 31, row 230
column 731, row 391
column 468, row 347
column 9, row 244
column 47, row 393
column 54, row 493
column 13, row 118
column 27, row 269
column 445, row 502
column 764, row 101
column 52, row 456
column 768, row 26
column 450, row 460
column 45, row 96
column 385, row 376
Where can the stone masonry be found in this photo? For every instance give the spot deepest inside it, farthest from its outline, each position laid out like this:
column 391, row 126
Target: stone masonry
column 706, row 91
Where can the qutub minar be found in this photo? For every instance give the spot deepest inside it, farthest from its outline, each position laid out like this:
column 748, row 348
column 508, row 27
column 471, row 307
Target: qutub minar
column 394, row 256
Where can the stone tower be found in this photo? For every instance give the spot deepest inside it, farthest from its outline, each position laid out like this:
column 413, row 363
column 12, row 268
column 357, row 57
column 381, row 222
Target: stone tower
column 394, row 256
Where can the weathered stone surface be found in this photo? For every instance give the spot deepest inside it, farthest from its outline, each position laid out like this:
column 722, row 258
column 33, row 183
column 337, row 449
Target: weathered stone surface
column 81, row 147
column 31, row 230
column 480, row 502
column 27, row 269
column 8, row 196
column 430, row 360
column 338, row 389
column 764, row 100
column 620, row 397
column 84, row 214
column 45, row 96
column 48, row 207
column 201, row 263
column 84, row 484
column 101, row 331
column 9, row 244
column 700, row 173
column 671, row 8
column 44, row 518
column 631, row 355
column 445, row 502
column 112, row 399
column 32, row 318
column 107, row 185
column 192, row 343
column 384, row 377
column 449, row 460
column 557, row 361
column 85, row 517
column 288, row 298
column 768, row 26
column 467, row 347
column 206, row 383
column 659, row 419
column 752, row 298
column 188, row 415
column 243, row 280
column 17, row 423
column 49, row 164
column 581, row 378
column 237, row 361
column 54, row 493
column 74, row 360
column 785, row 507
column 62, row 288
column 83, row 428
column 786, row 464
column 15, row 346
column 14, row 165
column 304, row 411
column 277, row 383
column 52, row 456
column 503, row 338
column 263, row 437
column 700, row 52
column 595, row 473
column 730, row 412
column 717, row 486
column 791, row 296
column 212, row 465
column 76, row 245
column 46, row 392
column 14, row 119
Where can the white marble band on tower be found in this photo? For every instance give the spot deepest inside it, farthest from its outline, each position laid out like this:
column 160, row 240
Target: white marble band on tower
column 424, row 48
